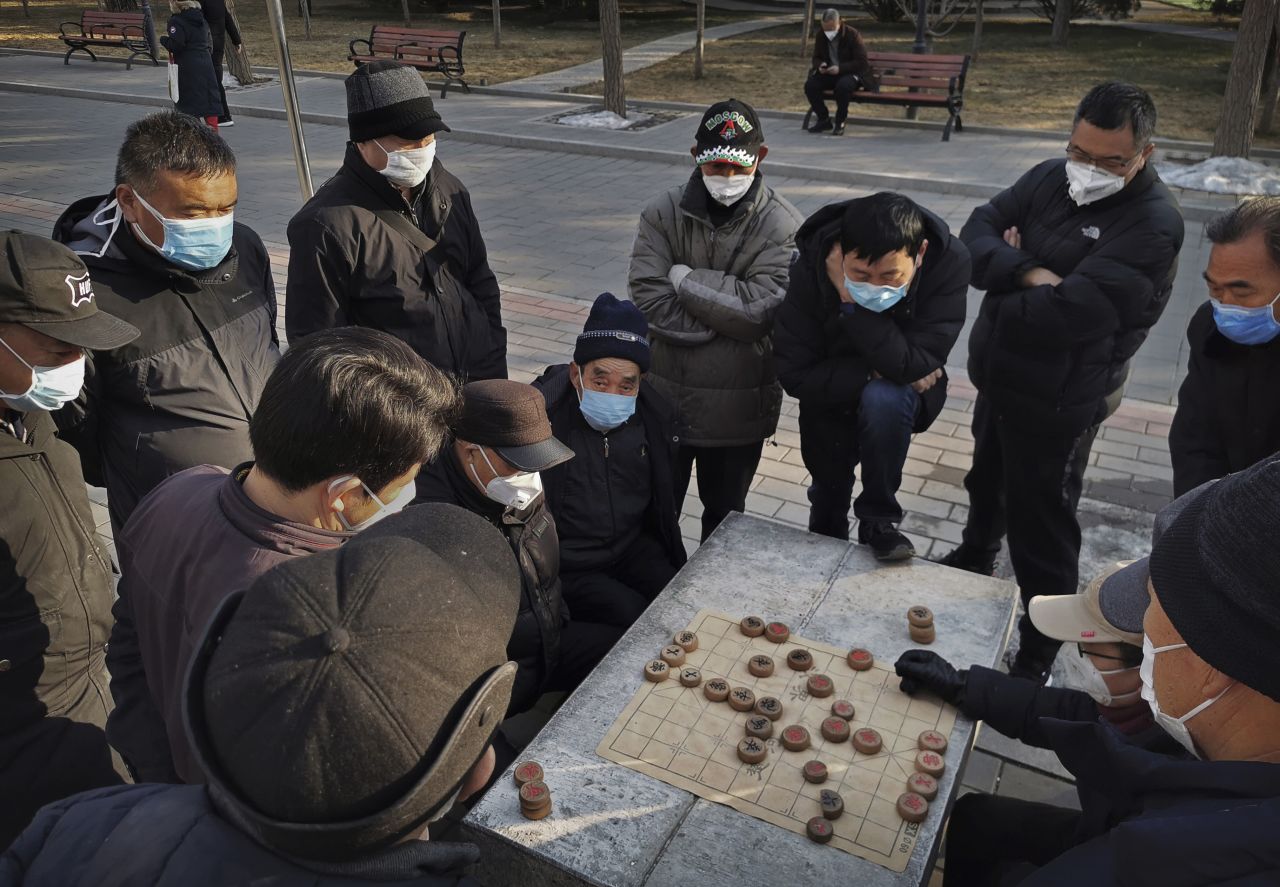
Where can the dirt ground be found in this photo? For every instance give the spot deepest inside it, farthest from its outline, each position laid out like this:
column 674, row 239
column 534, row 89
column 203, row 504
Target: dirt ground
column 533, row 41
column 1019, row 80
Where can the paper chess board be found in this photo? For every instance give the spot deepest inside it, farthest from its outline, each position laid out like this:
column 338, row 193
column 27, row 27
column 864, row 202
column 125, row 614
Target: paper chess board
column 675, row 734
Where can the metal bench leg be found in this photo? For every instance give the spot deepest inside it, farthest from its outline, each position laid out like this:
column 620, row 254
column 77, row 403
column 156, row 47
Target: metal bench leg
column 805, row 123
column 444, row 89
column 946, row 130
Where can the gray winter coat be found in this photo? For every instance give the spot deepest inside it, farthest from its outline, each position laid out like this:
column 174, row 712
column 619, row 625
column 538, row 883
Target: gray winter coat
column 712, row 353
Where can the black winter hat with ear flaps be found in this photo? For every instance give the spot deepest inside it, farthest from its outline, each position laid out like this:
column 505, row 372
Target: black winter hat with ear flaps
column 338, row 704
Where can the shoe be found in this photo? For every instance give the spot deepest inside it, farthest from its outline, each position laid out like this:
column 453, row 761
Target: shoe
column 225, row 121
column 886, row 542
column 821, row 126
column 963, row 557
column 1033, row 667
column 839, row 130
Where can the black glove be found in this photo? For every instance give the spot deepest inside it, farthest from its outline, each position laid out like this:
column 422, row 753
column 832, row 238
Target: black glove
column 926, row 670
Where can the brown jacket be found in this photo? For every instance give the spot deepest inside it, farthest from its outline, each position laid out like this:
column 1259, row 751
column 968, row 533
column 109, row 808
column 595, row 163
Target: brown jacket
column 196, row 539
column 852, row 53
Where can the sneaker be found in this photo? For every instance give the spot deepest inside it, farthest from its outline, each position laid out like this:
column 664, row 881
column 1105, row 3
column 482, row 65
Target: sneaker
column 839, row 130
column 225, row 121
column 1031, row 666
column 821, row 126
column 963, row 557
column 886, row 542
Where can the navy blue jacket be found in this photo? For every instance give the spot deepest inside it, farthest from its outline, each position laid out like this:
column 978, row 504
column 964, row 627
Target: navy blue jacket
column 173, row 836
column 1150, row 819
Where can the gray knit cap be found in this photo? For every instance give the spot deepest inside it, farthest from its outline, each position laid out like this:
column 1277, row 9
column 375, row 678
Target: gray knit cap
column 387, row 98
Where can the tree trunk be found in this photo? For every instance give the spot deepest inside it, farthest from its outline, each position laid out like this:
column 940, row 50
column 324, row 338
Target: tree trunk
column 237, row 60
column 1270, row 82
column 806, row 28
column 699, row 42
column 1061, row 22
column 977, row 33
column 304, row 7
column 615, row 97
column 497, row 24
column 26, row 12
column 408, row 19
column 1234, row 137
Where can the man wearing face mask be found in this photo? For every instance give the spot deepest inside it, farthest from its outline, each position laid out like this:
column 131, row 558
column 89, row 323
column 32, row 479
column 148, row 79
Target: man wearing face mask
column 55, row 578
column 613, row 502
column 709, row 269
column 1077, row 259
column 840, row 64
column 391, row 242
column 335, row 717
column 1210, row 615
column 1228, row 413
column 344, row 424
column 165, row 253
column 875, row 303
column 502, row 443
column 992, row 838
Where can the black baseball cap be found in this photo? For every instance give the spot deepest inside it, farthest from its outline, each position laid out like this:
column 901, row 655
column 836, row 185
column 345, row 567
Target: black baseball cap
column 511, row 419
column 45, row 286
column 729, row 132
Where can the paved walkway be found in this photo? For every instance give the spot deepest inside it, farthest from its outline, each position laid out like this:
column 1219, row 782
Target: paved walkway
column 640, row 57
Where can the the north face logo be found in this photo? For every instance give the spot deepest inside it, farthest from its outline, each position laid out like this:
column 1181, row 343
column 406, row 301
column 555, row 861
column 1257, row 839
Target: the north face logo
column 729, row 132
column 81, row 289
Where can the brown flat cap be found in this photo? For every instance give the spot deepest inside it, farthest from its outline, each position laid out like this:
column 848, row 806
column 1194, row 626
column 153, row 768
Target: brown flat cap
column 511, row 418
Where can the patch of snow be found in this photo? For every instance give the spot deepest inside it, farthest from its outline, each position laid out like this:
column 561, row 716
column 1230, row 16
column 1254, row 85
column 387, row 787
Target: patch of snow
column 604, row 120
column 1223, row 175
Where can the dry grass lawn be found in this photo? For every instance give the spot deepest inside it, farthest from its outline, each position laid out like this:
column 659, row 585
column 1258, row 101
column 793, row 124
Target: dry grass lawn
column 531, row 43
column 1020, row 81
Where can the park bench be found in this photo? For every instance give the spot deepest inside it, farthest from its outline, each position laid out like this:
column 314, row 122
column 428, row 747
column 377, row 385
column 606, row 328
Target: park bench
column 437, row 52
column 917, row 81
column 123, row 29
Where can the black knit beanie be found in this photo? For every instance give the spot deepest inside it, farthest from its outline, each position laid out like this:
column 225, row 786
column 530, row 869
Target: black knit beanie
column 1214, row 571
column 387, row 98
column 614, row 328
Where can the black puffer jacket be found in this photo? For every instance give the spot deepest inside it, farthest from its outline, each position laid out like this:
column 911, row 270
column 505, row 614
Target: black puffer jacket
column 181, row 394
column 826, row 356
column 362, row 256
column 535, row 640
column 655, row 416
column 188, row 38
column 1048, row 356
column 55, row 615
column 1228, row 414
column 173, row 836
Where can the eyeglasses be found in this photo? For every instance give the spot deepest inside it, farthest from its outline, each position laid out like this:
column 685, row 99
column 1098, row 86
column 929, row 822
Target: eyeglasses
column 1116, row 165
column 1127, row 661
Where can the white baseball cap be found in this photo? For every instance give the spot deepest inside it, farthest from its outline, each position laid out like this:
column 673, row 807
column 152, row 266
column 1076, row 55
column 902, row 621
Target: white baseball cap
column 1081, row 618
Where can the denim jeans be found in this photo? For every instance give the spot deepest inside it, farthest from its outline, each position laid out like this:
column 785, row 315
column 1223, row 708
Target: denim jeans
column 834, row 442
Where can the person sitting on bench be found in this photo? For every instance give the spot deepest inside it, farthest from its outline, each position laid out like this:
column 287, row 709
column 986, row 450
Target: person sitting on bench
column 840, row 64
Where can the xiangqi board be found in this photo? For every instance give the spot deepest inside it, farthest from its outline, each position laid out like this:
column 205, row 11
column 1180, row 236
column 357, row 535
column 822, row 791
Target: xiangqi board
column 675, row 733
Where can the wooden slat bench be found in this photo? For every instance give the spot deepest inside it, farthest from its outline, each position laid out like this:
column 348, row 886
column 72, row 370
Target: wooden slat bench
column 123, row 29
column 917, row 81
column 437, row 52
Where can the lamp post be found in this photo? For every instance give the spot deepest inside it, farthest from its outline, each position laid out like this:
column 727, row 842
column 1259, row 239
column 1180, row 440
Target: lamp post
column 922, row 21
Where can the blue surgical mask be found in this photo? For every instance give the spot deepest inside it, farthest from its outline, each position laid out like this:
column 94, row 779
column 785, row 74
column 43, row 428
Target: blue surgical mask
column 51, row 387
column 385, row 509
column 1247, row 326
column 604, row 412
column 878, row 298
column 194, row 244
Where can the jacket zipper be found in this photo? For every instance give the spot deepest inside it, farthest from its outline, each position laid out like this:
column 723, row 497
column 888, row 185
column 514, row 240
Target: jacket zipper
column 608, row 486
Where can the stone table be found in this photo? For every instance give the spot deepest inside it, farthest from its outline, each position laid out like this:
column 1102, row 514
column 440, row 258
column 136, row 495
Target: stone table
column 615, row 826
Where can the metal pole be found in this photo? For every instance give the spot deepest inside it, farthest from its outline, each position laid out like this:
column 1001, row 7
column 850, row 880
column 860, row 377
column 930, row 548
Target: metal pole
column 290, row 98
column 497, row 24
column 699, row 41
column 922, row 21
column 806, row 28
column 149, row 25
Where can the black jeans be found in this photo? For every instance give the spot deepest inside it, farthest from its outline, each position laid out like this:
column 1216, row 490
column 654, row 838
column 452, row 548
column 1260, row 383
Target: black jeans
column 724, row 477
column 617, row 594
column 217, row 71
column 844, row 88
column 582, row 646
column 1027, row 485
column 994, row 842
column 834, row 442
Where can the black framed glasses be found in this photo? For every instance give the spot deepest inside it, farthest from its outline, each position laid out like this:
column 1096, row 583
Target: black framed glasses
column 1127, row 661
column 1115, row 165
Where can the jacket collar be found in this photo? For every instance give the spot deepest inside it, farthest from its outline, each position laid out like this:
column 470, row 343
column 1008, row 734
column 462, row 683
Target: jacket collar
column 36, row 426
column 695, row 200
column 270, row 531
column 402, row 862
